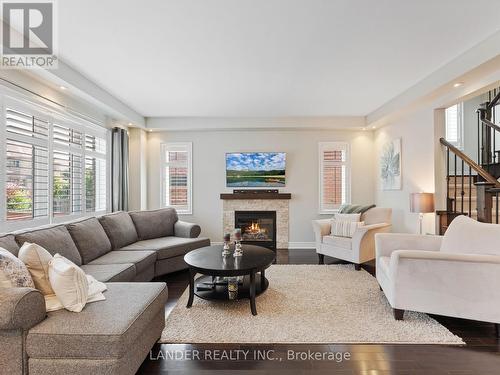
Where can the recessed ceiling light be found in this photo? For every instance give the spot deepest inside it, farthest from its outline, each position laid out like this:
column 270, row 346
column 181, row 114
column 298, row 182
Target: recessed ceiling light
column 150, row 130
column 129, row 124
column 458, row 84
column 374, row 127
column 364, row 128
column 62, row 87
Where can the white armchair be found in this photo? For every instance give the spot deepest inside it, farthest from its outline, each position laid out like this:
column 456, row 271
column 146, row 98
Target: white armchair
column 358, row 249
column 453, row 275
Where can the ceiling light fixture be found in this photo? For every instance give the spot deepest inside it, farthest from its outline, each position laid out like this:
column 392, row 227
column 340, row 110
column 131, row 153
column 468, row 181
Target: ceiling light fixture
column 458, row 84
column 62, row 87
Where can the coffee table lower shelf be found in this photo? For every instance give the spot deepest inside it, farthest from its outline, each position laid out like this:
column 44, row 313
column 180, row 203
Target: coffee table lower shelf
column 219, row 291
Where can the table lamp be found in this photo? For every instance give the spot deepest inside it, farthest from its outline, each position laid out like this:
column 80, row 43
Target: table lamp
column 421, row 203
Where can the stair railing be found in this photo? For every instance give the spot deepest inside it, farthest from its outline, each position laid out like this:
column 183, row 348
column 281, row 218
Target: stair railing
column 487, row 131
column 463, row 166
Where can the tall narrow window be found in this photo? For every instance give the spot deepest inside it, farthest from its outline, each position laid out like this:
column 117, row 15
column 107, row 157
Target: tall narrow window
column 176, row 176
column 26, row 176
column 67, row 169
column 62, row 183
column 95, row 174
column 334, row 181
column 454, row 125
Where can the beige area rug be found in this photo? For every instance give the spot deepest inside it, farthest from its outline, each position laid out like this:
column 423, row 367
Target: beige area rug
column 305, row 304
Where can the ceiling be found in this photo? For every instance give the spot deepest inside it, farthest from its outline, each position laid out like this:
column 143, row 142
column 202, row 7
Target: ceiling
column 265, row 58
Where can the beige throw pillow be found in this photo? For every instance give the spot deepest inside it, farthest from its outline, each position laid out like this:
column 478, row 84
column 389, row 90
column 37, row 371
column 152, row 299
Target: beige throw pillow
column 37, row 259
column 69, row 283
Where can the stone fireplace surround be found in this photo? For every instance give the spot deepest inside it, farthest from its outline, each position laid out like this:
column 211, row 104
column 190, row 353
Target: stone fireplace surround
column 281, row 206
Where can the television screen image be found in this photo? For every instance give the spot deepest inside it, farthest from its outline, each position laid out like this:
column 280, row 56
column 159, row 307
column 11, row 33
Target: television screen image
column 255, row 169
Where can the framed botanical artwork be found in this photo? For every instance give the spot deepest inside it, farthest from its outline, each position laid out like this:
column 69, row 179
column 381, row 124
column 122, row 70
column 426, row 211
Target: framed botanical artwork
column 390, row 165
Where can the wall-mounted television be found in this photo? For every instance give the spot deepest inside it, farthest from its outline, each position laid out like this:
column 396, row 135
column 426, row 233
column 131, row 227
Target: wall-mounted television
column 255, row 169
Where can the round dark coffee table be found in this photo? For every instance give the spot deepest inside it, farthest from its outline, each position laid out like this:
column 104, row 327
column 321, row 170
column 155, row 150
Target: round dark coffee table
column 210, row 262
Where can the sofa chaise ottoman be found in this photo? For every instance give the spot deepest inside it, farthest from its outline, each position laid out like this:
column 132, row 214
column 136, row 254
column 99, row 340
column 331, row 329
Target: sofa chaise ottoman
column 107, row 337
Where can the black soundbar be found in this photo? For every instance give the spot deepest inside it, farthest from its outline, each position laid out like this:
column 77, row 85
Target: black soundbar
column 255, row 191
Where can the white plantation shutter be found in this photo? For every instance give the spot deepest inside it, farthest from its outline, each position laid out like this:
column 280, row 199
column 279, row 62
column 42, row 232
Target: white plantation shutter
column 26, row 162
column 26, row 124
column 61, row 183
column 334, row 180
column 67, row 154
column 96, row 144
column 95, row 184
column 454, row 125
column 176, row 176
column 95, row 173
column 66, row 136
column 77, row 183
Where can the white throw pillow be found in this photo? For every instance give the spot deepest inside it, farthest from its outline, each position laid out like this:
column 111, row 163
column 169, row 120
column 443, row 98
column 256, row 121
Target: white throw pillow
column 343, row 228
column 468, row 236
column 13, row 272
column 69, row 283
column 95, row 294
column 95, row 289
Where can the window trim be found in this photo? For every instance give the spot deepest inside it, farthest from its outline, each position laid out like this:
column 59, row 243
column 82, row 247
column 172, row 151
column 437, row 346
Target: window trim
column 322, row 146
column 18, row 101
column 189, row 147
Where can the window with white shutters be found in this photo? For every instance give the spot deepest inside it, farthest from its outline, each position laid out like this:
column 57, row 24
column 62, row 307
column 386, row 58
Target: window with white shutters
column 334, row 172
column 176, row 176
column 54, row 166
column 26, row 163
column 454, row 125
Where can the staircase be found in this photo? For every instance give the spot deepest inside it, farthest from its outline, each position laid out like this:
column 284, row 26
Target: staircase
column 472, row 186
column 463, row 197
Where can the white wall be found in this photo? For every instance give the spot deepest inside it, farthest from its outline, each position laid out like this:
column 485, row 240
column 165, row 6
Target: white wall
column 417, row 168
column 138, row 169
column 301, row 146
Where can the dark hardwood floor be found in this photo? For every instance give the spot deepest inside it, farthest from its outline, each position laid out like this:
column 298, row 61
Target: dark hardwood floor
column 480, row 355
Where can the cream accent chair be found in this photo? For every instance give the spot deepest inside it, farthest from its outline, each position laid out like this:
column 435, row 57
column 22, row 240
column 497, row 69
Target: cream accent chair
column 455, row 275
column 358, row 249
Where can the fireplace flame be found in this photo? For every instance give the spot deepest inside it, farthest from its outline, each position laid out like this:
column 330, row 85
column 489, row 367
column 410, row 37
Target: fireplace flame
column 255, row 228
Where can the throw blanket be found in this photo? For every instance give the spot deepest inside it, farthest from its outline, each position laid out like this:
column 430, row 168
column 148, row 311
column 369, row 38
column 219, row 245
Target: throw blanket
column 354, row 208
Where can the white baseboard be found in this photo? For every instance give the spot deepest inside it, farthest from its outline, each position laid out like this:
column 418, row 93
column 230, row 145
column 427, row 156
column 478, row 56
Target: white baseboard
column 291, row 245
column 301, row 245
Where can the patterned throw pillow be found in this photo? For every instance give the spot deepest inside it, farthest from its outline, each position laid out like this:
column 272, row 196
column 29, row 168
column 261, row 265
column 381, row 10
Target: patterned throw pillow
column 347, row 217
column 13, row 272
column 344, row 228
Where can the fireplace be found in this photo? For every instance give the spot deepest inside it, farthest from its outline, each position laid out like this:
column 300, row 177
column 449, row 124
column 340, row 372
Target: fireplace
column 257, row 227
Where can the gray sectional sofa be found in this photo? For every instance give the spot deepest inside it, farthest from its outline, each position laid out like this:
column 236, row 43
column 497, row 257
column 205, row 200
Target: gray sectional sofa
column 125, row 250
